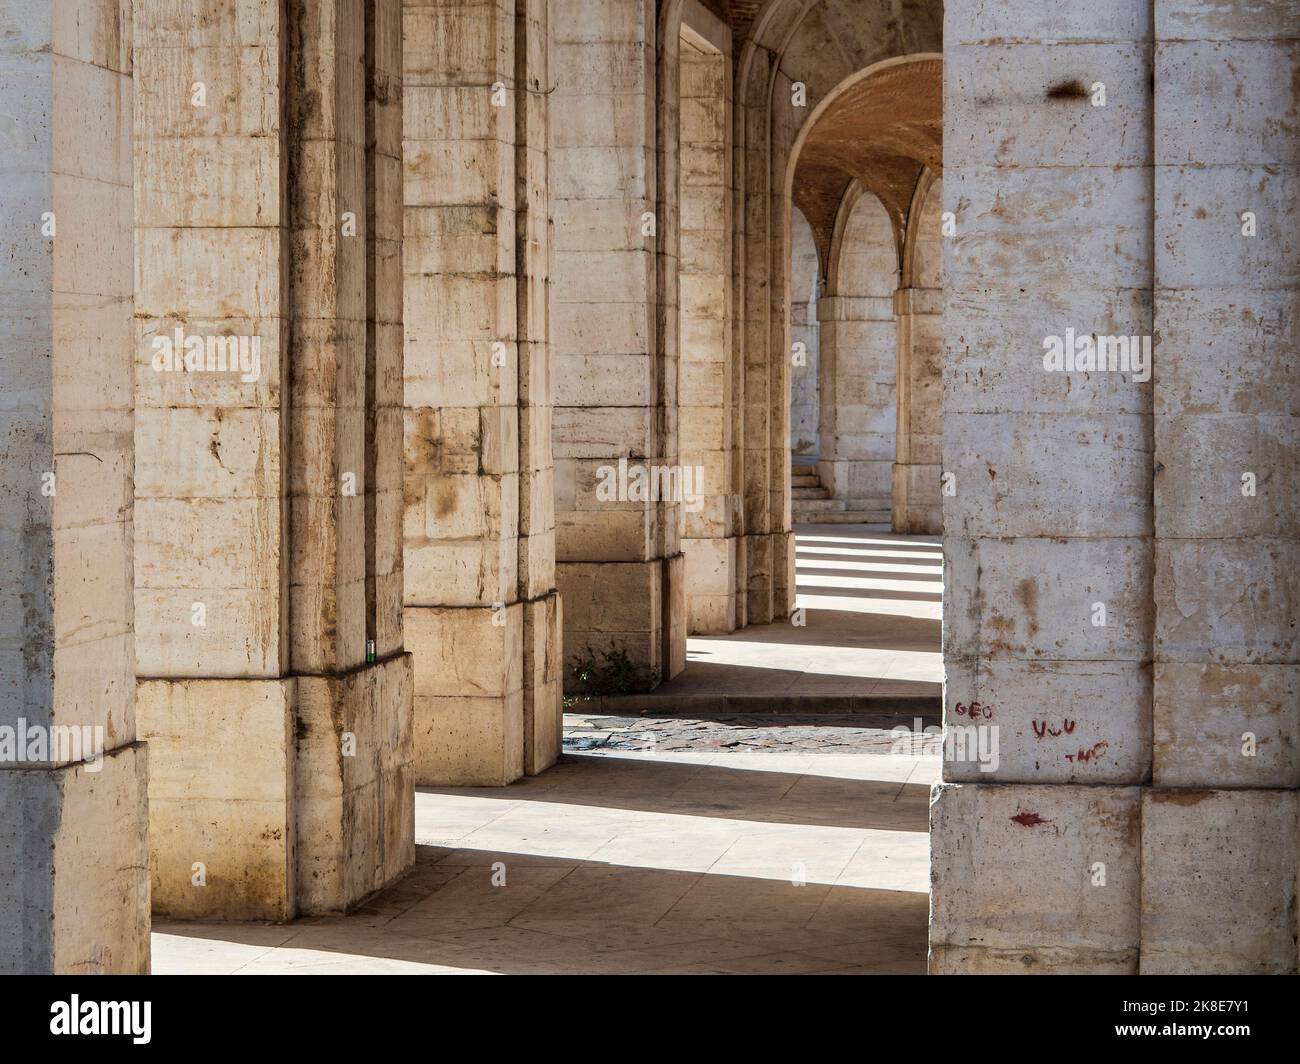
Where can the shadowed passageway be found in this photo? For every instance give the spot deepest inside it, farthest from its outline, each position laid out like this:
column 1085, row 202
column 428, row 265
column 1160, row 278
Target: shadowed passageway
column 865, row 634
column 808, row 856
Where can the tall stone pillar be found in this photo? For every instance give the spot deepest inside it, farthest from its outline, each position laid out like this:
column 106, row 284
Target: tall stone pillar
column 858, row 363
column 806, row 285
column 1152, row 796
column 917, row 505
column 618, row 549
column 711, row 512
column 917, row 484
column 1219, row 821
column 1037, row 827
column 73, row 851
column 273, row 687
column 482, row 612
column 859, row 359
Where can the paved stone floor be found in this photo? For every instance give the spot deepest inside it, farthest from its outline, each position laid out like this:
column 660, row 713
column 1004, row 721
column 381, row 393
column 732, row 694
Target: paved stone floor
column 871, row 607
column 734, row 846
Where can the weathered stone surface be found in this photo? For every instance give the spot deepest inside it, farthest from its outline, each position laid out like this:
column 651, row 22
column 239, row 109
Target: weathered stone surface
column 1218, row 882
column 479, row 483
column 1051, row 722
column 354, row 784
column 488, row 252
column 1077, row 846
column 74, row 882
column 1228, row 725
column 221, row 797
column 267, row 547
column 74, row 888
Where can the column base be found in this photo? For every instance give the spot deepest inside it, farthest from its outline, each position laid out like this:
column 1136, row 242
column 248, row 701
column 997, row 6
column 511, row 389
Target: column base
column 273, row 798
column 74, row 860
column 638, row 607
column 488, row 691
column 917, row 500
column 1112, row 880
column 1069, row 857
column 770, row 570
column 469, row 694
column 710, row 585
column 759, row 579
column 859, row 487
column 783, row 559
column 355, row 788
column 221, row 797
column 543, row 683
column 1219, row 882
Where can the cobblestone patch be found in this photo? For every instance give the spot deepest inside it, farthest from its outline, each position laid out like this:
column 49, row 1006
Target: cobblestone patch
column 855, row 734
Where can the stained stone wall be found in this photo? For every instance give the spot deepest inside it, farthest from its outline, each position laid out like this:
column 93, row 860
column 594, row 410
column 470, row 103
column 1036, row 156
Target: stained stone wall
column 74, row 886
column 1119, row 595
column 481, row 605
column 1226, row 671
column 281, row 741
column 620, row 567
column 706, row 384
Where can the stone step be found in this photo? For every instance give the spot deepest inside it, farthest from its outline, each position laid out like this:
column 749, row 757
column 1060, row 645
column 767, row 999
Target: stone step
column 805, row 480
column 809, row 493
column 840, row 517
column 812, row 506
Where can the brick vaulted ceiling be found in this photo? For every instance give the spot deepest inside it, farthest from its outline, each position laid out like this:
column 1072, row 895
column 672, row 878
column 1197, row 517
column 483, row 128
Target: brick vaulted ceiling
column 882, row 131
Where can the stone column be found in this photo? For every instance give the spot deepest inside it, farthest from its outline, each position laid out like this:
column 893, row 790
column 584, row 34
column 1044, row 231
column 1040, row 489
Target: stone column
column 354, row 788
column 918, row 304
column 1177, row 704
column 1219, row 822
column 73, row 846
column 710, row 516
column 858, row 359
column 805, row 278
column 619, row 561
column 481, row 608
column 282, row 743
column 769, row 521
column 1048, row 538
column 917, row 505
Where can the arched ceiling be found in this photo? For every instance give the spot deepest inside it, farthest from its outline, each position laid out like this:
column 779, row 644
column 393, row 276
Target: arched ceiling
column 856, row 22
column 883, row 131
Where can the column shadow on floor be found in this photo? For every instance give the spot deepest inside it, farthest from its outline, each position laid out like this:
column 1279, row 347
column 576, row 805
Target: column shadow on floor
column 847, row 640
column 708, row 869
column 560, row 917
column 646, row 783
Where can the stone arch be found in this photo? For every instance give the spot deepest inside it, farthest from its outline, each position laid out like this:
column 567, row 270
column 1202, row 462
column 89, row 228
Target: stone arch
column 858, row 367
column 855, row 140
column 788, row 42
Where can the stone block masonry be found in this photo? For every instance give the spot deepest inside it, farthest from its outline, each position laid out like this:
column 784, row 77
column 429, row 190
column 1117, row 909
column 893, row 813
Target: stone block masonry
column 272, row 680
column 480, row 597
column 614, row 198
column 361, row 360
column 74, row 885
column 1120, row 590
